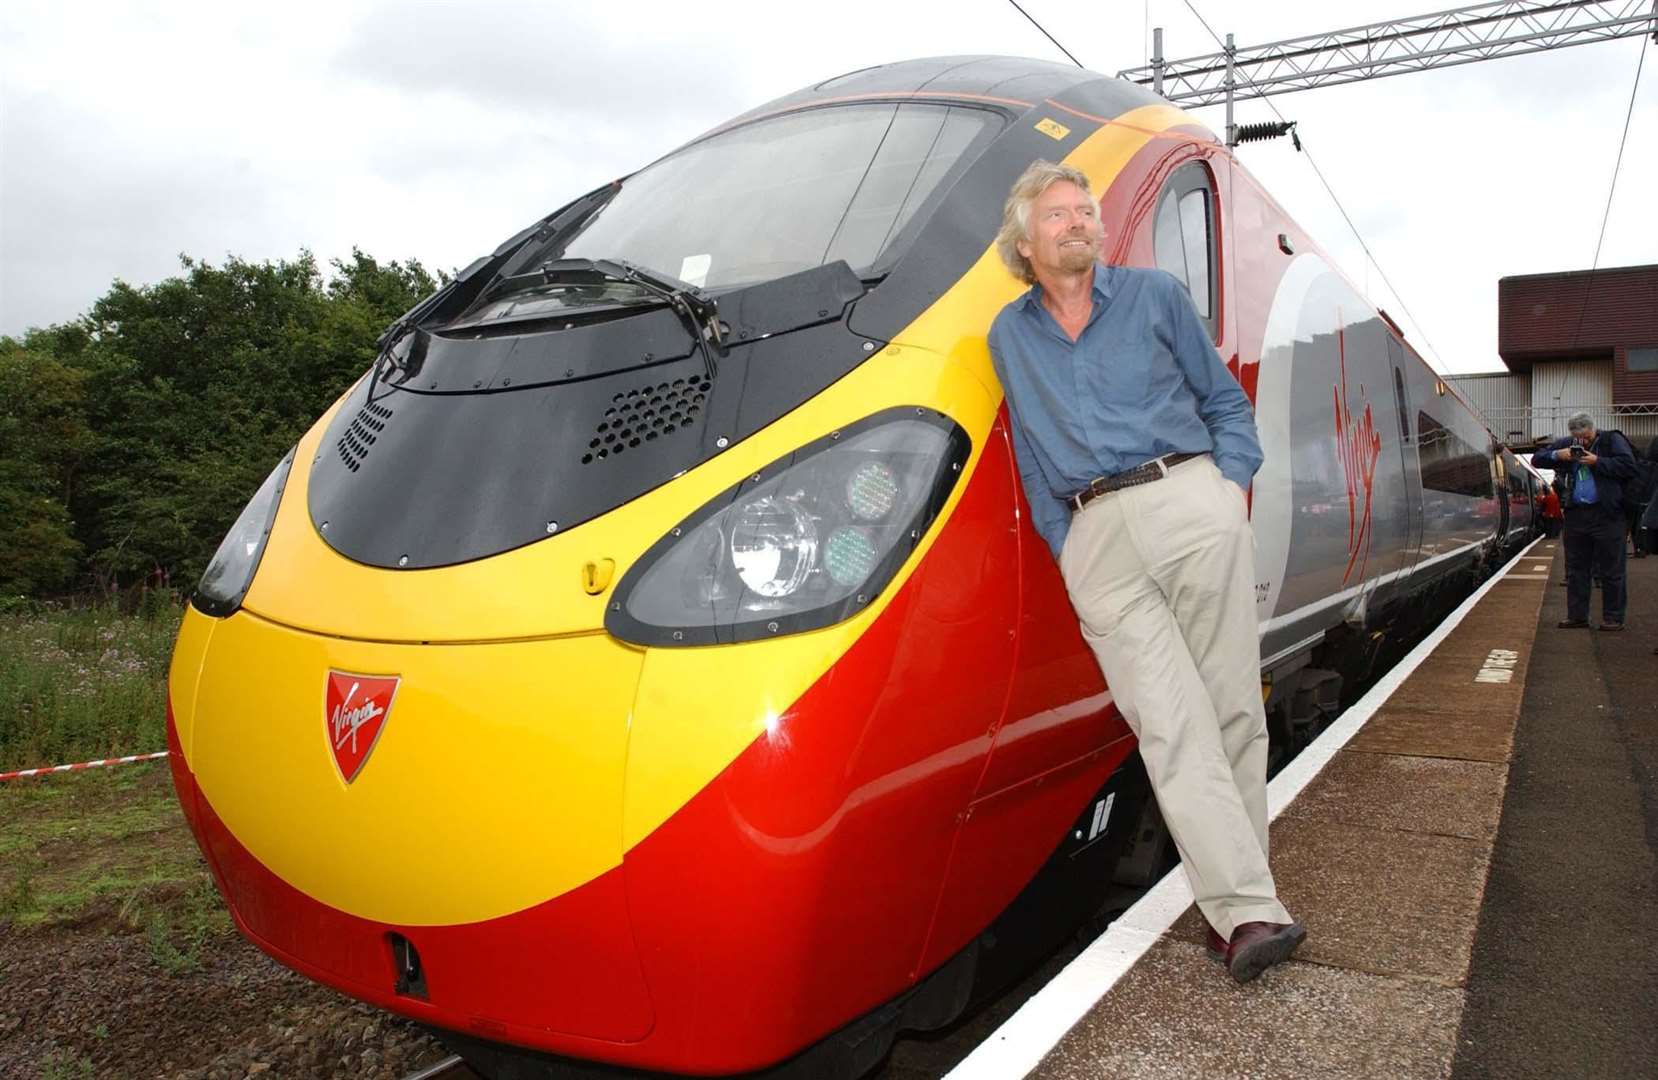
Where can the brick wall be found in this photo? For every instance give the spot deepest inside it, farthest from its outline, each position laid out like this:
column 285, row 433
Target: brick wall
column 1576, row 314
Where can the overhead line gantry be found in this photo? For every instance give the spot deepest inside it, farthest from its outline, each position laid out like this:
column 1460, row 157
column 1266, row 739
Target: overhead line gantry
column 1395, row 47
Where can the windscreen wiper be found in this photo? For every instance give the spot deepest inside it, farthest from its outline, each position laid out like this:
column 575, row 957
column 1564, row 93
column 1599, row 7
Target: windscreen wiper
column 693, row 305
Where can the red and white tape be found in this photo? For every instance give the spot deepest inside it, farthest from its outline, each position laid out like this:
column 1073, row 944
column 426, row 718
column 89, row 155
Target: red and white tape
column 79, row 765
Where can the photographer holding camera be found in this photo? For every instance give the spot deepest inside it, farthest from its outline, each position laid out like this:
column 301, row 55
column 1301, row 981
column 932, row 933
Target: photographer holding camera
column 1596, row 465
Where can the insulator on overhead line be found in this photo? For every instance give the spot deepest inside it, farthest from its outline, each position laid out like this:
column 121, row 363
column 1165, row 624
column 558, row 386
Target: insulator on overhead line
column 1271, row 129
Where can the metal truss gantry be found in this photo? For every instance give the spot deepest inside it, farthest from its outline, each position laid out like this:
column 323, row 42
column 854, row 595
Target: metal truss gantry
column 1397, row 47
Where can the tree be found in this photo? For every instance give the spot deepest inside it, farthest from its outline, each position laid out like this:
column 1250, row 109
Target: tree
column 43, row 438
column 186, row 392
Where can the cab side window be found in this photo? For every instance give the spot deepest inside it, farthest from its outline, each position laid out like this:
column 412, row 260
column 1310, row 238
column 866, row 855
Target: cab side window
column 1183, row 237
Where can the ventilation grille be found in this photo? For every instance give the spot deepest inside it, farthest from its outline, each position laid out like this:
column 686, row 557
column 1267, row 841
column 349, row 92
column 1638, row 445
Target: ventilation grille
column 359, row 437
column 645, row 415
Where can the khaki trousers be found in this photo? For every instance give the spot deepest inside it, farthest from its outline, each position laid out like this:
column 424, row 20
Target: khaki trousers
column 1162, row 577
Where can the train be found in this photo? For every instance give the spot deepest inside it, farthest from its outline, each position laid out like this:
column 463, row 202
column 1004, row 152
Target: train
column 648, row 663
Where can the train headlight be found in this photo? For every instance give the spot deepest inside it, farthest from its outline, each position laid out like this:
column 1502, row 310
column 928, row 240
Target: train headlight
column 810, row 540
column 229, row 573
column 871, row 491
column 773, row 546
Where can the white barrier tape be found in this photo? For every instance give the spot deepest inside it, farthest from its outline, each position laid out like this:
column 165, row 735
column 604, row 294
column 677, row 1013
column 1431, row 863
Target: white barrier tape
column 79, row 765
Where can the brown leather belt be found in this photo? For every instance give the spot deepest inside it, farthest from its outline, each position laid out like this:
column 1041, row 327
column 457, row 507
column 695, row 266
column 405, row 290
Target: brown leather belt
column 1155, row 469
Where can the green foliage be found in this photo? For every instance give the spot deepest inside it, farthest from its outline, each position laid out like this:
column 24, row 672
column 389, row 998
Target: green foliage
column 64, row 1066
column 43, row 436
column 176, row 930
column 130, row 439
column 83, row 682
column 109, row 847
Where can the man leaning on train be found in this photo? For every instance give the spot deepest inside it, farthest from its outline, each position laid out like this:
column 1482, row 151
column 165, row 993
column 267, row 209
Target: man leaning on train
column 1135, row 447
column 1596, row 465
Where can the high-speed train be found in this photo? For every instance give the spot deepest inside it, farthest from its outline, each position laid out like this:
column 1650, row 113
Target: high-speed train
column 649, row 661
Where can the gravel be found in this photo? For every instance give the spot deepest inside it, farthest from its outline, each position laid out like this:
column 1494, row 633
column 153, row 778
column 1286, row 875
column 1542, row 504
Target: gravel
column 88, row 1000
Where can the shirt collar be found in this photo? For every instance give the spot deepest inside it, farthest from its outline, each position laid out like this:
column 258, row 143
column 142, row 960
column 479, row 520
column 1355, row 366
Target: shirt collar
column 1103, row 290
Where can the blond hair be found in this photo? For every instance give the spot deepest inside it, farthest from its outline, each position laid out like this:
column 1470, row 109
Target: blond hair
column 1039, row 177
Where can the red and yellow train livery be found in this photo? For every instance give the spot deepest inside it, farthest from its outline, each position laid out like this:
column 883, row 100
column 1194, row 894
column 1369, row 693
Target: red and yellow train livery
column 649, row 661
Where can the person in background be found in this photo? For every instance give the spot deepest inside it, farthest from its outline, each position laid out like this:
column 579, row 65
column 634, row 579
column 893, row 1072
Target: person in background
column 1596, row 466
column 1637, row 495
column 1550, row 508
column 1646, row 535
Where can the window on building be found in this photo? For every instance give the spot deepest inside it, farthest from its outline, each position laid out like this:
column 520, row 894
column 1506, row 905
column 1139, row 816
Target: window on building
column 1184, row 240
column 1642, row 359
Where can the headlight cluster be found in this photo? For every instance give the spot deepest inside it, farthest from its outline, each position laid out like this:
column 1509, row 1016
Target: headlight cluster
column 806, row 542
column 229, row 573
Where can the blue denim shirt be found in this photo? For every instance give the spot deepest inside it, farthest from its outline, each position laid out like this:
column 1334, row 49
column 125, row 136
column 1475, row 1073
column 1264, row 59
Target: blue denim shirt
column 1142, row 380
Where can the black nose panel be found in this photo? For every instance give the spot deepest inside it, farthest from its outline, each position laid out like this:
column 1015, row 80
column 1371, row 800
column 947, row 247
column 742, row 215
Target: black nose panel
column 411, row 477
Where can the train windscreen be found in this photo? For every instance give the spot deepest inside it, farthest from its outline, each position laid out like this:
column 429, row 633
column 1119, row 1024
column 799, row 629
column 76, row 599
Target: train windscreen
column 785, row 194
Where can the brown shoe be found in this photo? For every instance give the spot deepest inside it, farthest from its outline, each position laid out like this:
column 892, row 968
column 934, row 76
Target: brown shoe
column 1256, row 946
column 1611, row 627
column 1215, row 945
column 1573, row 624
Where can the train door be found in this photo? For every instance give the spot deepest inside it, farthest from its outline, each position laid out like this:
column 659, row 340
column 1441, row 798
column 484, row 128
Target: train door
column 1411, row 464
column 1505, row 499
column 1507, row 506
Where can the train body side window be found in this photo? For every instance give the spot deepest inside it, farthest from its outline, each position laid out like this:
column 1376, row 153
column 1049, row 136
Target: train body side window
column 1402, row 402
column 1184, row 237
column 1450, row 464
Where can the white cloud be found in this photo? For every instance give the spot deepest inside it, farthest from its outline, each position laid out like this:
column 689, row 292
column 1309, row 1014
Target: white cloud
column 132, row 132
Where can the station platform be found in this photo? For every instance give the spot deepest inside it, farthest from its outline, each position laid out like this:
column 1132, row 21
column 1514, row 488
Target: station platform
column 1476, row 865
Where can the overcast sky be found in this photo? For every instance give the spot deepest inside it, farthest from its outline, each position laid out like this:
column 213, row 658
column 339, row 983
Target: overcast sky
column 133, row 132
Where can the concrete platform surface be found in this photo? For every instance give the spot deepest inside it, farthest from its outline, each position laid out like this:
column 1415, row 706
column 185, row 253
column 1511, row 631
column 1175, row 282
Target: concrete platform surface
column 1476, row 871
column 1443, row 796
column 1166, row 1021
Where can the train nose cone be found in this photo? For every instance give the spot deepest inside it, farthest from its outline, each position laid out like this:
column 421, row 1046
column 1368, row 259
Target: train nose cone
column 483, row 790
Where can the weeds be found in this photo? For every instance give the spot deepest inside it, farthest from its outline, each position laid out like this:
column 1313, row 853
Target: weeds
column 19, row 898
column 65, row 1067
column 83, row 682
column 178, row 928
column 108, row 848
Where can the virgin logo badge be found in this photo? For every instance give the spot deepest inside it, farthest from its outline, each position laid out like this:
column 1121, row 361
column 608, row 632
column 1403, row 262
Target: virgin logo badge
column 355, row 712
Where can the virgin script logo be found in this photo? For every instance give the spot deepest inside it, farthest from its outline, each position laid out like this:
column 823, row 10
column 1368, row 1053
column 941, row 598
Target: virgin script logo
column 355, row 709
column 1358, row 445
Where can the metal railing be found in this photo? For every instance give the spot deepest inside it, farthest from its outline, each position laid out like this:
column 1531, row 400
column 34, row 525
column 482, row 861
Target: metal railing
column 1638, row 419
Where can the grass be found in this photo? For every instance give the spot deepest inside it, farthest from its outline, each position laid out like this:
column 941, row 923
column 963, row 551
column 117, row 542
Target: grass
column 62, row 1066
column 107, row 850
column 82, row 682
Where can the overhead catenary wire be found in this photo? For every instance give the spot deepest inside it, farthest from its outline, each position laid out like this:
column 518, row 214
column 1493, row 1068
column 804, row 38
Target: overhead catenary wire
column 1045, row 33
column 1331, row 192
column 1611, row 189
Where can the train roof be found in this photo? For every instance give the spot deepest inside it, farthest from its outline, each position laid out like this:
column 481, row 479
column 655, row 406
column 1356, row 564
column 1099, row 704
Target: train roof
column 1012, row 81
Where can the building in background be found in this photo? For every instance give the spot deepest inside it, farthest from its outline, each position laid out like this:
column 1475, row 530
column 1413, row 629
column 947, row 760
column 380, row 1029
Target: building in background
column 1574, row 341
